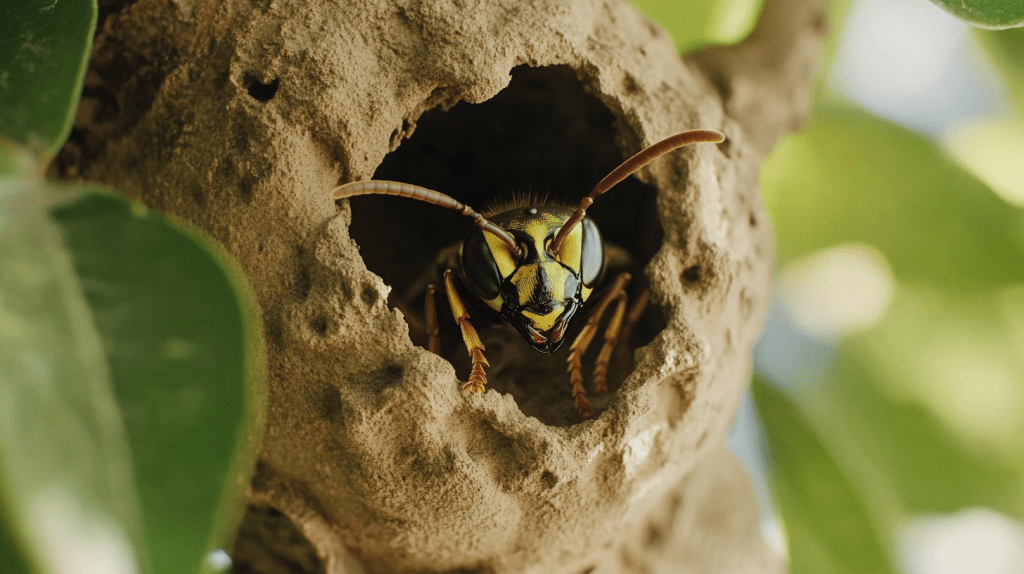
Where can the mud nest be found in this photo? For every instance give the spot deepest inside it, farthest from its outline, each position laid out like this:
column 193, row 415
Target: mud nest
column 240, row 116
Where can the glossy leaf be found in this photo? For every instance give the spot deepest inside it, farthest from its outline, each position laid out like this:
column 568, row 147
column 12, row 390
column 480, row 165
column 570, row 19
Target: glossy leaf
column 986, row 13
column 827, row 524
column 850, row 177
column 64, row 458
column 44, row 50
column 179, row 341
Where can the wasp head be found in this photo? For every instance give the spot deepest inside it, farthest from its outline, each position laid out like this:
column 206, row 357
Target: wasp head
column 536, row 291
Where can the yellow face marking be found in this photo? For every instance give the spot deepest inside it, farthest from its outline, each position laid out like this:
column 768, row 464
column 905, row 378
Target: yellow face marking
column 503, row 256
column 585, row 292
column 571, row 253
column 538, row 230
column 527, row 277
column 525, row 281
column 544, row 322
column 557, row 276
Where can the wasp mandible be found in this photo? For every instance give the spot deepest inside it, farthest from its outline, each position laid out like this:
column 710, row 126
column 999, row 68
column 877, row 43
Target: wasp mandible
column 534, row 266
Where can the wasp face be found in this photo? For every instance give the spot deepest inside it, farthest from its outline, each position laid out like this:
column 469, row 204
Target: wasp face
column 540, row 300
column 539, row 292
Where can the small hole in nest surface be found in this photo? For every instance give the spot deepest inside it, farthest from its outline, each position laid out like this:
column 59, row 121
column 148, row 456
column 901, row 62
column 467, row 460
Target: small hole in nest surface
column 544, row 135
column 262, row 92
column 692, row 274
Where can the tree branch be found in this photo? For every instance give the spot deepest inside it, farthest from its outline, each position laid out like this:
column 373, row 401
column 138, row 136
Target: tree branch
column 765, row 80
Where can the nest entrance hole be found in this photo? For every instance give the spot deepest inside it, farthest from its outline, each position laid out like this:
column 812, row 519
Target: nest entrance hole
column 545, row 135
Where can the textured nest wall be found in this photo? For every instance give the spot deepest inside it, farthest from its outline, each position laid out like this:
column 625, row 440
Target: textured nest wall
column 241, row 116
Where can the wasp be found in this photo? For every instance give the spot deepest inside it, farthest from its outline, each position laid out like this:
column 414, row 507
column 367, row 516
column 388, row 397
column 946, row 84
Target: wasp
column 534, row 266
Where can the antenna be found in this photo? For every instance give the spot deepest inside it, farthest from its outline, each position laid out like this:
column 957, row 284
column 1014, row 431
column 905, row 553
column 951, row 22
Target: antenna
column 382, row 187
column 628, row 167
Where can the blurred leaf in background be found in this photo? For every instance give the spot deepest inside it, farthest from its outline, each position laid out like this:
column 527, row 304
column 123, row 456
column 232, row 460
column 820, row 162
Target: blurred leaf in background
column 992, row 146
column 11, row 561
column 992, row 149
column 850, row 177
column 1006, row 48
column 905, row 448
column 694, row 24
column 827, row 524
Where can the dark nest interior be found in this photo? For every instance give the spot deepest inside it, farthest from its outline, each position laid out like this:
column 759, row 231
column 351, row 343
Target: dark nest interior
column 268, row 541
column 543, row 134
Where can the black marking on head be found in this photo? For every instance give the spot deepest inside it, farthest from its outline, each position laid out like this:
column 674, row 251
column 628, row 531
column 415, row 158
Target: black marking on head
column 572, row 286
column 509, row 299
column 540, row 298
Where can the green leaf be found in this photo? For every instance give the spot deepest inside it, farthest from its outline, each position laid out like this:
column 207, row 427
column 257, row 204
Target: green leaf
column 991, row 148
column 826, row 521
column 16, row 161
column 8, row 165
column 851, row 177
column 909, row 452
column 1006, row 47
column 44, row 50
column 986, row 13
column 180, row 342
column 932, row 397
column 64, row 458
column 694, row 24
column 12, row 560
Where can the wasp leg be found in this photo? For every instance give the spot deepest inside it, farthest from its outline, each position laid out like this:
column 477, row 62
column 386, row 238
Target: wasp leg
column 477, row 378
column 430, row 311
column 582, row 342
column 611, row 335
column 636, row 310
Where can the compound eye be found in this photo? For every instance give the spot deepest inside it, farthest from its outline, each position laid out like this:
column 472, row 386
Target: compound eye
column 482, row 276
column 592, row 254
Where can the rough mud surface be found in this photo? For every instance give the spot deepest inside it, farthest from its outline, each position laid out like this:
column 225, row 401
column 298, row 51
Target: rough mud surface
column 241, row 116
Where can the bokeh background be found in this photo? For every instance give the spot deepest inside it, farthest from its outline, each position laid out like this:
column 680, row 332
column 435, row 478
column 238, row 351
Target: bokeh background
column 890, row 373
column 884, row 430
